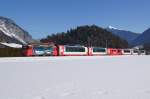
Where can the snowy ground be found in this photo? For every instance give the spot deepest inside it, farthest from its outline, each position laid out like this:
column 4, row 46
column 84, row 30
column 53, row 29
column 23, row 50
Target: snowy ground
column 98, row 77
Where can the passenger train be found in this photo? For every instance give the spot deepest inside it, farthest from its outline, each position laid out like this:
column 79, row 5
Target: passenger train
column 68, row 50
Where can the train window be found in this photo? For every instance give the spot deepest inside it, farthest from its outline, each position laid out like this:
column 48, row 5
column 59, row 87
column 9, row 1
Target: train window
column 49, row 49
column 127, row 51
column 142, row 51
column 96, row 49
column 135, row 51
column 75, row 49
column 39, row 48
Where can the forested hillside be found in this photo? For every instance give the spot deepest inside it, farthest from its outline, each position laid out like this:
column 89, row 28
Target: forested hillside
column 88, row 36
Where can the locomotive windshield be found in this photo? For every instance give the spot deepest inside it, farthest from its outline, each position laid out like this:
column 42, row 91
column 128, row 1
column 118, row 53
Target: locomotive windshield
column 39, row 50
column 75, row 49
column 96, row 49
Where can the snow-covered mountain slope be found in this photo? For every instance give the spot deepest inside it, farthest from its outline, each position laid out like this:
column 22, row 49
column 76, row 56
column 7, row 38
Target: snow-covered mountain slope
column 8, row 39
column 111, row 27
column 11, row 30
column 12, row 45
column 142, row 39
column 124, row 34
column 98, row 77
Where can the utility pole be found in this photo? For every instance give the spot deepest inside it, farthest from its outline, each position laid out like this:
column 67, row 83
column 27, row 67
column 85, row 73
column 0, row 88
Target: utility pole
column 89, row 41
column 106, row 43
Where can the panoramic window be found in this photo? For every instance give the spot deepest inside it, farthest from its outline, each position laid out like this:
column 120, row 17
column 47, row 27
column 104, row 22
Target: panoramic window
column 96, row 49
column 75, row 49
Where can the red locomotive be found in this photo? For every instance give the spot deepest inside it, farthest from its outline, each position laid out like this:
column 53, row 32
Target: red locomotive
column 40, row 50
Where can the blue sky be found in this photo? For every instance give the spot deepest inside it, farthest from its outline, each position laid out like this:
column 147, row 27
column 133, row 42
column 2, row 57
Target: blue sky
column 43, row 17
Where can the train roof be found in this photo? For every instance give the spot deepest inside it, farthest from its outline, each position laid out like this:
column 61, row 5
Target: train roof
column 41, row 44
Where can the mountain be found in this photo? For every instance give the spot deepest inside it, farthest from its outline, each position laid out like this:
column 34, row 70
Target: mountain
column 142, row 39
column 88, row 36
column 126, row 35
column 10, row 32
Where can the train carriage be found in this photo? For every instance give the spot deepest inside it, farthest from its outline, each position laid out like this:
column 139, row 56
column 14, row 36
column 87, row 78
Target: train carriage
column 67, row 50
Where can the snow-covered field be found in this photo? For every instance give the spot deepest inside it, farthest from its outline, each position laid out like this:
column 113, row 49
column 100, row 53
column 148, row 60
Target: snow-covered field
column 97, row 77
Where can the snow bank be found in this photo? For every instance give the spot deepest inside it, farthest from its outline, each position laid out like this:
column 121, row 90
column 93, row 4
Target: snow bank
column 98, row 77
column 13, row 45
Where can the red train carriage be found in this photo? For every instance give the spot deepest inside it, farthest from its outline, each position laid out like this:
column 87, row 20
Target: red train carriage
column 40, row 50
column 114, row 51
column 66, row 50
column 94, row 51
